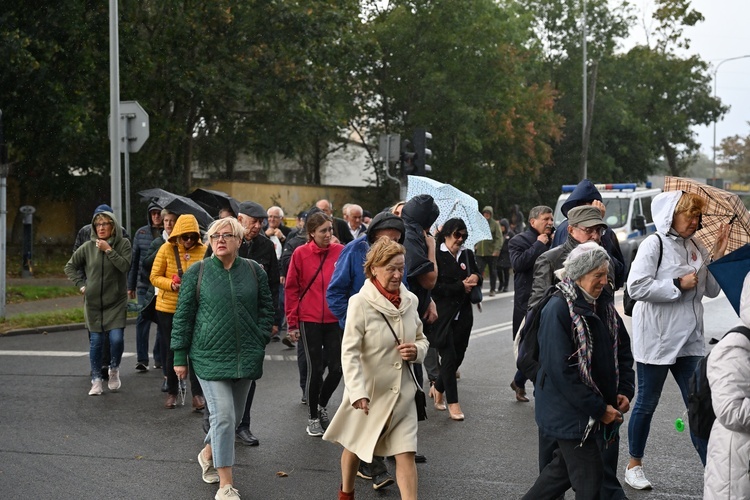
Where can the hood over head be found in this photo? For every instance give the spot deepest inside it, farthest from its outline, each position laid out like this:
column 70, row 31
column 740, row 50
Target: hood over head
column 585, row 192
column 504, row 223
column 116, row 227
column 489, row 209
column 186, row 223
column 662, row 208
column 421, row 210
column 385, row 220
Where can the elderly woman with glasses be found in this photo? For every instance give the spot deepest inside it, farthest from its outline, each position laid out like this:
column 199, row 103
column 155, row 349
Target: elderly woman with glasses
column 99, row 269
column 458, row 274
column 223, row 323
column 309, row 318
column 183, row 249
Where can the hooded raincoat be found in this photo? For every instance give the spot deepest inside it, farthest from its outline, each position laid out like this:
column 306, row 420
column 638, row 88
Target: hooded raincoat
column 667, row 321
column 106, row 294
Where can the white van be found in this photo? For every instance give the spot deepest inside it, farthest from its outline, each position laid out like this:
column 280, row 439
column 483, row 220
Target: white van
column 628, row 214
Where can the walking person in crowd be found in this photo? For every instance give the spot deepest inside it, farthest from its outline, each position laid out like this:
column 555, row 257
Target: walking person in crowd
column 353, row 218
column 488, row 251
column 728, row 372
column 524, row 249
column 669, row 279
column 309, row 318
column 503, row 260
column 99, row 270
column 348, row 279
column 277, row 232
column 458, row 274
column 579, row 399
column 258, row 247
column 375, row 419
column 222, row 325
column 138, row 285
column 182, row 250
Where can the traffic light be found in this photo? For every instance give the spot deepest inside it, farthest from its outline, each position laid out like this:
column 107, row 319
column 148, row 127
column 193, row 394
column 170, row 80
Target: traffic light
column 407, row 158
column 421, row 151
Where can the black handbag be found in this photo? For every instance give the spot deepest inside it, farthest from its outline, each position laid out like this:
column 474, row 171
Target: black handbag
column 420, row 400
column 475, row 296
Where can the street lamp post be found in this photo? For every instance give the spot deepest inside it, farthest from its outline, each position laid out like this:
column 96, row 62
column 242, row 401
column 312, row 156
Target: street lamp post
column 716, row 74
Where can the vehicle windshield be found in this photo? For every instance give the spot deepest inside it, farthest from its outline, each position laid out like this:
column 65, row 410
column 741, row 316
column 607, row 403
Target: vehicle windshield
column 616, row 216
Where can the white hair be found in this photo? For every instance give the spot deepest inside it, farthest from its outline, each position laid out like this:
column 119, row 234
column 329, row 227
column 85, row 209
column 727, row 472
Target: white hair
column 582, row 260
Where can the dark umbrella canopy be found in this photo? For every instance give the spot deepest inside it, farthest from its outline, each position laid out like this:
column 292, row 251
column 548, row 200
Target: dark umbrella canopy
column 177, row 204
column 214, row 201
column 730, row 272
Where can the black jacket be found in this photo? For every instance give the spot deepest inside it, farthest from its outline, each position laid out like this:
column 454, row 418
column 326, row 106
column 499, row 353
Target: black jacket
column 418, row 214
column 524, row 249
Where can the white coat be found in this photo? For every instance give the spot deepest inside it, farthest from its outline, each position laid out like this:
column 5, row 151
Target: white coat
column 668, row 322
column 373, row 369
column 726, row 474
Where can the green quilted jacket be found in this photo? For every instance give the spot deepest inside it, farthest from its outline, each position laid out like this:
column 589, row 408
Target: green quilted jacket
column 226, row 329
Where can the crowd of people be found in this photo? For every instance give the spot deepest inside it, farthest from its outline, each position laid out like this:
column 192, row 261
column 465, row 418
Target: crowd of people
column 381, row 301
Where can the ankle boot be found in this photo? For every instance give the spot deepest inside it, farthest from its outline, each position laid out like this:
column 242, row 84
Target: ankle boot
column 346, row 496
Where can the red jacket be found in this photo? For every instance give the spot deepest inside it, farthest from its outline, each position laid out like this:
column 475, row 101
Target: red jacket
column 305, row 262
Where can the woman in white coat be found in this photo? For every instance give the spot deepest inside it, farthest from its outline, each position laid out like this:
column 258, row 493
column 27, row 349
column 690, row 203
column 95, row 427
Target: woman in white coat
column 669, row 279
column 377, row 415
column 728, row 370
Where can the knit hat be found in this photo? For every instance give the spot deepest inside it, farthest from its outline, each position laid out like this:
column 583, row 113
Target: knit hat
column 103, row 208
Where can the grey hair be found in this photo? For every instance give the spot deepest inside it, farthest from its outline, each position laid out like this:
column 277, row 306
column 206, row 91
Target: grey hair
column 582, row 260
column 535, row 212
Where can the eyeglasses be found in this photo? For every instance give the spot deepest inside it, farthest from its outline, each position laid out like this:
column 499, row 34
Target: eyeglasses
column 222, row 236
column 592, row 230
column 460, row 236
column 191, row 236
column 102, row 224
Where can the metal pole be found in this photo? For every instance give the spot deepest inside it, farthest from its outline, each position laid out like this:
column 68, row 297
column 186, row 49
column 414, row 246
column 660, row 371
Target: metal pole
column 584, row 166
column 3, row 217
column 716, row 76
column 401, row 187
column 114, row 113
column 126, row 153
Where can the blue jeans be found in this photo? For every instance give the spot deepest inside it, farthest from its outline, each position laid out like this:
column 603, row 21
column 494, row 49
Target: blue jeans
column 226, row 403
column 142, row 331
column 650, row 384
column 116, row 346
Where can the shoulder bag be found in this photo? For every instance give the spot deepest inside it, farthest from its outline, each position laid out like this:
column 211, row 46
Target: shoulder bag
column 419, row 397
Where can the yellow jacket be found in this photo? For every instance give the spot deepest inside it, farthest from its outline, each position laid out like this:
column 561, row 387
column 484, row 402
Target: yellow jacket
column 165, row 265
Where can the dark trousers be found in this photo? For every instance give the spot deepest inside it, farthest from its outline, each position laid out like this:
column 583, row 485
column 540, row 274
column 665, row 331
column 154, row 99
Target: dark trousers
column 316, row 337
column 572, row 465
column 503, row 275
column 611, row 488
column 451, row 358
column 167, row 356
column 491, row 262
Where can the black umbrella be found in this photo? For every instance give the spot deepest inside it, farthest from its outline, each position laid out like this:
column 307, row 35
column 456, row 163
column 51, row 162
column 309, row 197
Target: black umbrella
column 178, row 204
column 214, row 201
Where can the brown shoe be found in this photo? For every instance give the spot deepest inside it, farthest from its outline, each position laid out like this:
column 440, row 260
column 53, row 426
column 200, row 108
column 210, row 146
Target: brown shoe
column 199, row 403
column 520, row 392
column 454, row 409
column 171, row 403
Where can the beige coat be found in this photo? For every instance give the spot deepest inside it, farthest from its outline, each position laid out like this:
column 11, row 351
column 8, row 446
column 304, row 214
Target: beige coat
column 373, row 369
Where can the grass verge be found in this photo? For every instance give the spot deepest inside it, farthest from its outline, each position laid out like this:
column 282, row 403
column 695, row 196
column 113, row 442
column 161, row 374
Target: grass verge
column 24, row 293
column 45, row 319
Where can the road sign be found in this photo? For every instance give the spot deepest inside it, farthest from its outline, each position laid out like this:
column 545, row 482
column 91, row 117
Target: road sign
column 135, row 126
column 390, row 145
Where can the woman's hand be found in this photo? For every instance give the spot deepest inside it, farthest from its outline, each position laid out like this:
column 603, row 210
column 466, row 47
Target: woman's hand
column 408, row 351
column 362, row 404
column 611, row 415
column 293, row 334
column 689, row 281
column 102, row 245
column 623, row 403
column 181, row 371
column 722, row 240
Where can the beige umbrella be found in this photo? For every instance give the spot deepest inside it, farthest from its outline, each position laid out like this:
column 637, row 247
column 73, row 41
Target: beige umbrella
column 722, row 207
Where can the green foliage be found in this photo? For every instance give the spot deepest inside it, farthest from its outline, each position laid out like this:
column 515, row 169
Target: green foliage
column 25, row 293
column 40, row 320
column 734, row 155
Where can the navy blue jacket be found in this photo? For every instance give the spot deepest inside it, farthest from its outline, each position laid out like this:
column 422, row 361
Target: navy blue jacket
column 524, row 249
column 563, row 402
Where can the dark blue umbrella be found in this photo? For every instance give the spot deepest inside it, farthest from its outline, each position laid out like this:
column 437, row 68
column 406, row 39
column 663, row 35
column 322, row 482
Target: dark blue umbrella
column 730, row 272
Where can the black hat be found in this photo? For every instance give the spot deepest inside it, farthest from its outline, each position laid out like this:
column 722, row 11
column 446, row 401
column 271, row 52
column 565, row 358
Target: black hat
column 385, row 220
column 252, row 209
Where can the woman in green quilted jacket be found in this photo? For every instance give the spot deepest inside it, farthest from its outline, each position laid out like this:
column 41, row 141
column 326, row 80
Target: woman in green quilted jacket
column 223, row 319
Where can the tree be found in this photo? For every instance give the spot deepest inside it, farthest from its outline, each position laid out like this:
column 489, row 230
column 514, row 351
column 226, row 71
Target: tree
column 735, row 157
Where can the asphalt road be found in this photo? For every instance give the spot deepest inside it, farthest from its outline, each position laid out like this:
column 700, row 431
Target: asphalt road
column 58, row 442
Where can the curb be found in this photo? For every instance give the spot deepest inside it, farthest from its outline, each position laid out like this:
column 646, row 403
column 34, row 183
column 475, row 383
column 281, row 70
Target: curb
column 53, row 328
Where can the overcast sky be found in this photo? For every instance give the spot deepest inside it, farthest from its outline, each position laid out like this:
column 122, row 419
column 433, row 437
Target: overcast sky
column 725, row 33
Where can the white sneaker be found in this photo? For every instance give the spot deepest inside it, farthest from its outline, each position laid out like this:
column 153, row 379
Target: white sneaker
column 114, row 379
column 314, row 428
column 227, row 492
column 96, row 387
column 636, row 479
column 208, row 472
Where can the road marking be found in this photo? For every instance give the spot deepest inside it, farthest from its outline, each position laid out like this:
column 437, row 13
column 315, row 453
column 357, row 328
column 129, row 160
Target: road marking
column 56, row 354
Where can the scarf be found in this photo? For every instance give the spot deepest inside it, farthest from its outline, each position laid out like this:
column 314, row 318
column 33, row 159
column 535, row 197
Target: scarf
column 582, row 338
column 393, row 298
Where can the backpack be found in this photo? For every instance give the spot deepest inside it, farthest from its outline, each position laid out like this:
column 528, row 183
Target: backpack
column 628, row 303
column 700, row 410
column 527, row 360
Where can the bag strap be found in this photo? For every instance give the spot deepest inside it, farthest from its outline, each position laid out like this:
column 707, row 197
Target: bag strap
column 200, row 278
column 408, row 363
column 317, row 272
column 177, row 258
column 661, row 251
column 740, row 329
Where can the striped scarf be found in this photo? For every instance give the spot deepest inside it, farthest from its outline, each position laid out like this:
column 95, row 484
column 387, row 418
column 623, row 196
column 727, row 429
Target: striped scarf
column 582, row 337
